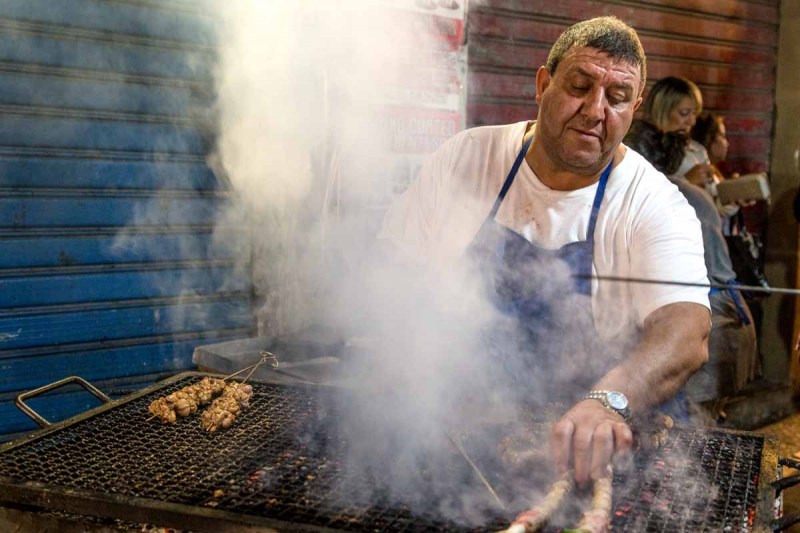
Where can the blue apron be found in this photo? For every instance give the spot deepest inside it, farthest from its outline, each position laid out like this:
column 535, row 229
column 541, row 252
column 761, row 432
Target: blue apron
column 545, row 337
column 530, row 342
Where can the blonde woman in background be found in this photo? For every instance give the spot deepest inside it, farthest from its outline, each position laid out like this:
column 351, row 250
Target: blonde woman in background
column 673, row 104
column 733, row 360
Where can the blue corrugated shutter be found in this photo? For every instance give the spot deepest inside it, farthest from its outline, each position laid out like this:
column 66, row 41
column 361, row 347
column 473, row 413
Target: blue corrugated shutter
column 108, row 267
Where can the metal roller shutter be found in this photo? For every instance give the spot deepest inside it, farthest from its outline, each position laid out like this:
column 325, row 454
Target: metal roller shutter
column 108, row 265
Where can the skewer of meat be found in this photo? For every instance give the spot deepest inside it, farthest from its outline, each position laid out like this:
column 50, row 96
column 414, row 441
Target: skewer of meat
column 520, row 453
column 186, row 401
column 223, row 411
column 597, row 519
column 653, row 432
column 537, row 516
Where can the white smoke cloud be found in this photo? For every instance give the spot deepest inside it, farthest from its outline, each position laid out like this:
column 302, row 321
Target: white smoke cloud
column 302, row 86
column 299, row 86
column 302, row 89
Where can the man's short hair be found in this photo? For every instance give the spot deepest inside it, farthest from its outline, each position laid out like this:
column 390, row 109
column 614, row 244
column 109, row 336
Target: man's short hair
column 609, row 35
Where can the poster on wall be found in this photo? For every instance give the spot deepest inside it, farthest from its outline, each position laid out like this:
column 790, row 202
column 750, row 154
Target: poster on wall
column 415, row 101
column 427, row 106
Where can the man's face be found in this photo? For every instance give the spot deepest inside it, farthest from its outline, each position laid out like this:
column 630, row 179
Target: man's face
column 585, row 109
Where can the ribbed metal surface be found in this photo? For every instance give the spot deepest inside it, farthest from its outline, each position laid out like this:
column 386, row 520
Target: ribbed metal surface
column 282, row 466
column 727, row 47
column 107, row 206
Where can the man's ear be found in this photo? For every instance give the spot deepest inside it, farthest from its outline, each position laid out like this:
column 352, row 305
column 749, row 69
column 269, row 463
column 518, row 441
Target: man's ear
column 637, row 103
column 542, row 81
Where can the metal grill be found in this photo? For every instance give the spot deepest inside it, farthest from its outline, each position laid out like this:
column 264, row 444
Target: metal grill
column 701, row 481
column 278, row 466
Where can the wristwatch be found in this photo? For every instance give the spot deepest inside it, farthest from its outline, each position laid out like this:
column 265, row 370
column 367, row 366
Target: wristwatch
column 611, row 399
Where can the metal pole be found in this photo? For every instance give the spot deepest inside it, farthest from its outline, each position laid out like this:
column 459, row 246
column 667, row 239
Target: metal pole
column 735, row 287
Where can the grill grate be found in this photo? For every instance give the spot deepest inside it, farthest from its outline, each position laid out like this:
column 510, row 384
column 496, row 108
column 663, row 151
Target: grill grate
column 701, row 481
column 268, row 467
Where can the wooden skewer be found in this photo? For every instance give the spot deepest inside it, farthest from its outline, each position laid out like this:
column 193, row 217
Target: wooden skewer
column 457, row 443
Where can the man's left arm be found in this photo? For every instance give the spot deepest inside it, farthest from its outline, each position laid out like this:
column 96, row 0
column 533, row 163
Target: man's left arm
column 674, row 345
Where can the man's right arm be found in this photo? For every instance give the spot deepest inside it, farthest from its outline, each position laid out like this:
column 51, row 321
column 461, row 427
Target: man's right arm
column 674, row 345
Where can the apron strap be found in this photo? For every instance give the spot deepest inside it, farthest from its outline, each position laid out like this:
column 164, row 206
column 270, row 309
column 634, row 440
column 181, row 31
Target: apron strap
column 598, row 199
column 736, row 296
column 510, row 178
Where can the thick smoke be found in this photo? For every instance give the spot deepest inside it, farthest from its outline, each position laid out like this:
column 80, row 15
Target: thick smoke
column 299, row 88
column 303, row 140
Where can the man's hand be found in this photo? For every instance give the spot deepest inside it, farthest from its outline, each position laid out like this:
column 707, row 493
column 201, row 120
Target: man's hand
column 587, row 438
column 673, row 346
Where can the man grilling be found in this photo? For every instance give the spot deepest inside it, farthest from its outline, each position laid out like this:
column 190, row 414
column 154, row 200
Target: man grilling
column 564, row 194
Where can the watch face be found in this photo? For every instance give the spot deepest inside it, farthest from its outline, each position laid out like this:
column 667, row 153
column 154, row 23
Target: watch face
column 617, row 400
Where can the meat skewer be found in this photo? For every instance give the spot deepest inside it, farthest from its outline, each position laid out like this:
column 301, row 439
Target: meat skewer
column 652, row 433
column 186, row 401
column 223, row 411
column 522, row 450
column 598, row 517
column 537, row 516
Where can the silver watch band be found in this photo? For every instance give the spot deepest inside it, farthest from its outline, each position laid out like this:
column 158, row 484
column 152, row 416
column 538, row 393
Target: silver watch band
column 619, row 404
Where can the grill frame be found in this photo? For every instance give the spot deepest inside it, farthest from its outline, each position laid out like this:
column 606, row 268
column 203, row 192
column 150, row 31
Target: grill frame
column 43, row 496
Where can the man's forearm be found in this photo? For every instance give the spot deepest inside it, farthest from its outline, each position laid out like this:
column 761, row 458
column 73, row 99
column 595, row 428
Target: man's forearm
column 674, row 346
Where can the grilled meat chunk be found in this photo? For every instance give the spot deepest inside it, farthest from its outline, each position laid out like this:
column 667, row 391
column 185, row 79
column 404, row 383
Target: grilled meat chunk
column 186, row 401
column 222, row 412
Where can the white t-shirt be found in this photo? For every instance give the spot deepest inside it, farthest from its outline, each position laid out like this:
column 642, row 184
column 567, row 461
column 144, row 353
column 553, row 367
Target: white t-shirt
column 645, row 227
column 697, row 154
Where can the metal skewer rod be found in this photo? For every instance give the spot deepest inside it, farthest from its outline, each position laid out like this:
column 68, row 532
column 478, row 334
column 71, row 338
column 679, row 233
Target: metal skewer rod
column 736, row 287
column 481, row 477
column 265, row 356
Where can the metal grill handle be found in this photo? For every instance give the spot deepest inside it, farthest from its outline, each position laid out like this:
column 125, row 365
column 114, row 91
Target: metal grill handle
column 785, row 522
column 39, row 419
